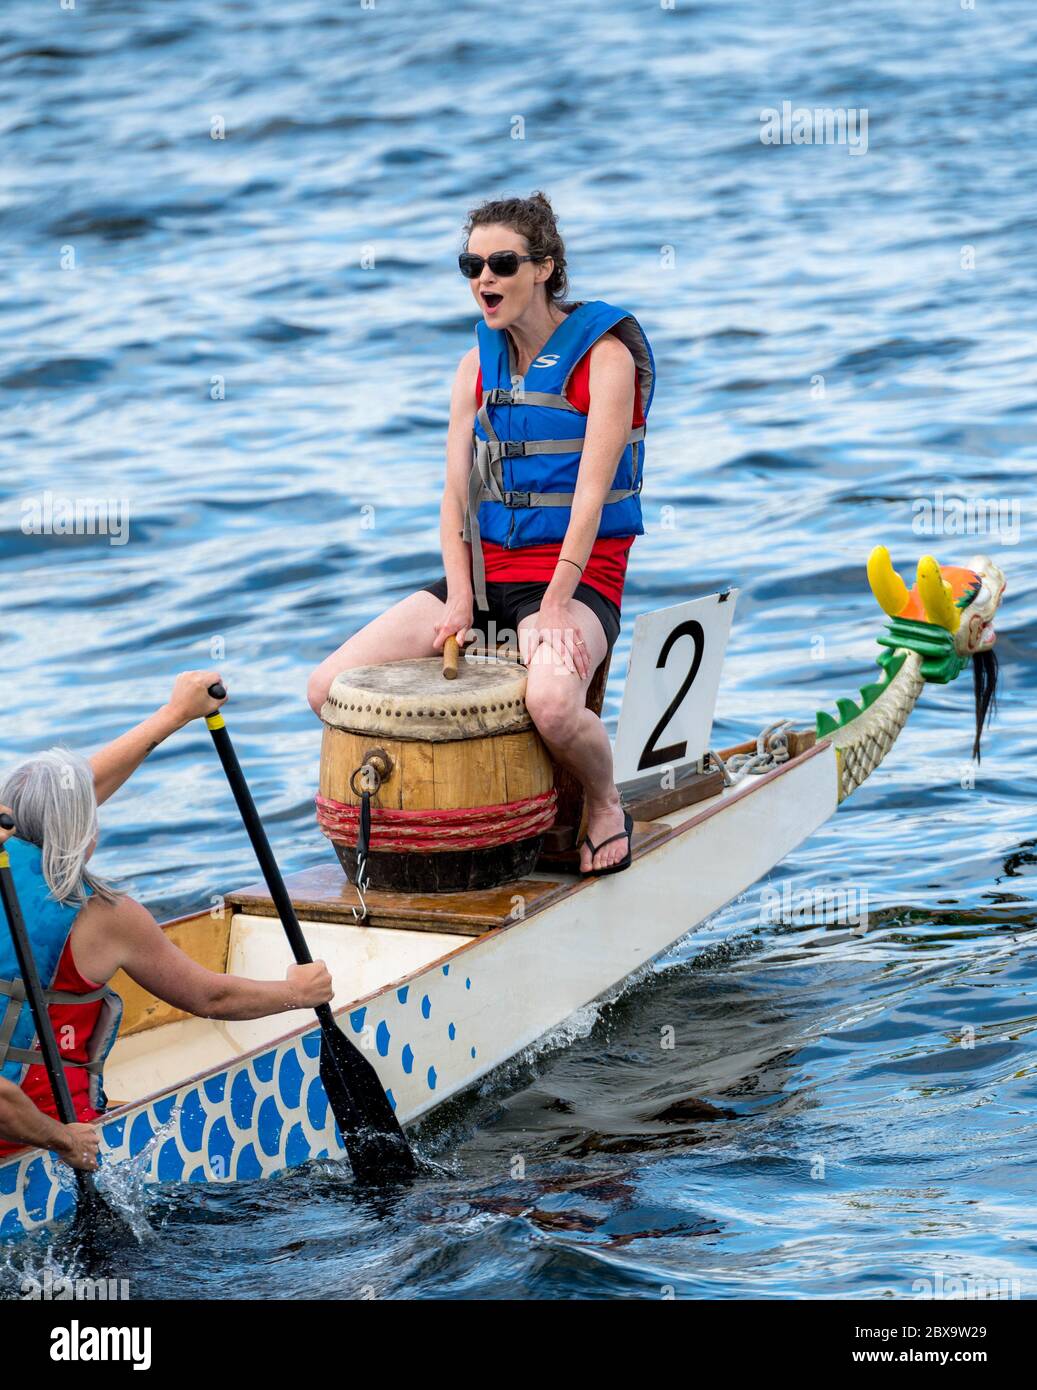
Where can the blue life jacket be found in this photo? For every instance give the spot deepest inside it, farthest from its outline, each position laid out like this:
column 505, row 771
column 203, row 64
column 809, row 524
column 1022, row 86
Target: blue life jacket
column 48, row 924
column 528, row 438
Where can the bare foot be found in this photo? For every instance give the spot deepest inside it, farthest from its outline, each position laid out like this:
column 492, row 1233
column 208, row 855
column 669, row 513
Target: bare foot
column 604, row 819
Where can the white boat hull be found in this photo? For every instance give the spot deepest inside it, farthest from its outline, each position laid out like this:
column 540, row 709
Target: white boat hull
column 503, row 991
column 256, row 1105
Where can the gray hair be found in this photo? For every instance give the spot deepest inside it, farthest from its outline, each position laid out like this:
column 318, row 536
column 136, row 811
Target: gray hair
column 54, row 805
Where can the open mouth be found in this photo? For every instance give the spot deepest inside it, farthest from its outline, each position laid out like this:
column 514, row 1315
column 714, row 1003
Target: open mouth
column 491, row 300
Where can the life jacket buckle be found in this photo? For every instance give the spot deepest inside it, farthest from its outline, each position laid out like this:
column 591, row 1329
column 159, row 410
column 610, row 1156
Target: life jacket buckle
column 513, row 448
column 500, row 395
column 516, row 499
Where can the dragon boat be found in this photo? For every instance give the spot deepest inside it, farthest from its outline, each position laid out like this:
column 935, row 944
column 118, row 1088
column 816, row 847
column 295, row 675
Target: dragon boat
column 442, row 984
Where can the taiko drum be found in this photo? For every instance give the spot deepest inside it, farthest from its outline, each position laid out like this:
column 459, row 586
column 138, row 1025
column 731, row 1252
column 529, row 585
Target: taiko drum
column 464, row 788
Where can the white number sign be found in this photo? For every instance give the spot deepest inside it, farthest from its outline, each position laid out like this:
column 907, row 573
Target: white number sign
column 671, row 687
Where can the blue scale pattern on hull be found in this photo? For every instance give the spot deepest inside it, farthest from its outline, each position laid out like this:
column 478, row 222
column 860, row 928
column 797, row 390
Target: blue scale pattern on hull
column 255, row 1118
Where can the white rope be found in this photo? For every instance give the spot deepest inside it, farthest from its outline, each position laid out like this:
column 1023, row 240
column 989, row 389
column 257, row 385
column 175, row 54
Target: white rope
column 772, row 749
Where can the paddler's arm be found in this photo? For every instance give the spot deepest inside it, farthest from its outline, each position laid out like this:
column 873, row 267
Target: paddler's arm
column 608, row 424
column 457, row 552
column 124, row 935
column 22, row 1123
column 189, row 700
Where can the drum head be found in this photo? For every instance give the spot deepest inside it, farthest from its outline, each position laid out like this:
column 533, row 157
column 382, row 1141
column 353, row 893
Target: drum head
column 412, row 699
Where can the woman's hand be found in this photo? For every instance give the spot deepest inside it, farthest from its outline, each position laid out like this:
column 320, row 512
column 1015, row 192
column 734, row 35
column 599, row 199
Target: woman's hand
column 22, row 1123
column 457, row 620
column 78, row 1146
column 190, row 698
column 558, row 627
column 309, row 986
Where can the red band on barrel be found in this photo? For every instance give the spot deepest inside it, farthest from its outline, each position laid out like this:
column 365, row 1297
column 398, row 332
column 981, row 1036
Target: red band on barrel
column 469, row 827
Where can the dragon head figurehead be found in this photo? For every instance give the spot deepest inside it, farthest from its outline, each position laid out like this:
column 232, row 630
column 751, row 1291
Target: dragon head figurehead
column 947, row 617
column 961, row 600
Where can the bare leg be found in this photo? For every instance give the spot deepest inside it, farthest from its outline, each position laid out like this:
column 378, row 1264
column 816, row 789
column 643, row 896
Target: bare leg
column 557, row 702
column 404, row 630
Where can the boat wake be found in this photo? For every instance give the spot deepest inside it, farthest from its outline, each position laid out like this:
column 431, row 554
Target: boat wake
column 458, row 1120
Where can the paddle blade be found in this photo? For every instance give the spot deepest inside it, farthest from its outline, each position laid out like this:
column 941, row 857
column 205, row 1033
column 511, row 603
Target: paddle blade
column 97, row 1228
column 371, row 1132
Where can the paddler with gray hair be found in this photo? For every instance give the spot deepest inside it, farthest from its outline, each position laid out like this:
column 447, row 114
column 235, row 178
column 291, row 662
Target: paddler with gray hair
column 22, row 1124
column 544, row 463
column 82, row 930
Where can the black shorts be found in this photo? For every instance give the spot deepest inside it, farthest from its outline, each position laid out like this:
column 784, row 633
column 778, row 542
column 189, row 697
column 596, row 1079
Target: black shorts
column 510, row 603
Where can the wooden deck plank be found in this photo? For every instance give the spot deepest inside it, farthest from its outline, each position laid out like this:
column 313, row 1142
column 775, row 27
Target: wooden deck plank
column 324, row 894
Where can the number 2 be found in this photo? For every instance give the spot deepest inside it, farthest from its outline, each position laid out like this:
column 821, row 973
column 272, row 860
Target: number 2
column 650, row 755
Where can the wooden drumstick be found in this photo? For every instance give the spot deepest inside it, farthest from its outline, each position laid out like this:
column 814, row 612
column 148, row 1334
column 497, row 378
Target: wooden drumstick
column 451, row 657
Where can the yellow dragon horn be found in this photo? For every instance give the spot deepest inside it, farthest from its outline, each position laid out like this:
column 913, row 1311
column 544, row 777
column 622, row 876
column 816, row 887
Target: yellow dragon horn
column 889, row 589
column 937, row 598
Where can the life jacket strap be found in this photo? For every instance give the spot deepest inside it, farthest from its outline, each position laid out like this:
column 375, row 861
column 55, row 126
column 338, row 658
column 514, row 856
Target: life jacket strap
column 15, row 992
column 26, row 1057
column 500, row 395
column 486, row 483
column 12, row 1013
column 65, row 996
column 523, row 448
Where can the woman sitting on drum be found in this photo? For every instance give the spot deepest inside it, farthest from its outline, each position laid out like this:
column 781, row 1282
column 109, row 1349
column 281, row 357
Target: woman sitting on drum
column 82, row 931
column 536, row 528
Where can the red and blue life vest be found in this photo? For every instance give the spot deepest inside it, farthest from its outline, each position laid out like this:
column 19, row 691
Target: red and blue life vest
column 528, row 438
column 48, row 924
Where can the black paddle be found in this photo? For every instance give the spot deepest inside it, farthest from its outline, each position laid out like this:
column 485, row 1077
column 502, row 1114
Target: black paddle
column 374, row 1140
column 95, row 1221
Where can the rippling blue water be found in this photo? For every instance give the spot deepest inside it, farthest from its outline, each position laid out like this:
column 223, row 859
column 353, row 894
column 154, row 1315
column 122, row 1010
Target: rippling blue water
column 837, row 334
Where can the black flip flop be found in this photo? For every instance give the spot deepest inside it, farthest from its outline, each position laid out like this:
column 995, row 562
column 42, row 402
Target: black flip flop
column 626, row 833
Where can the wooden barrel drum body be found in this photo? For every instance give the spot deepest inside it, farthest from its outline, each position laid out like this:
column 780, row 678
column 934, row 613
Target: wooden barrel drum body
column 470, row 789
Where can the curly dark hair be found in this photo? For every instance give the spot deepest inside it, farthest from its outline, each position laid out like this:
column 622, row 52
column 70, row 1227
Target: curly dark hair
column 534, row 219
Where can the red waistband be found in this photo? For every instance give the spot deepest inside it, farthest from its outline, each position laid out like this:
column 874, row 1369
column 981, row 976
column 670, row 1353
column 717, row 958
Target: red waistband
column 604, row 571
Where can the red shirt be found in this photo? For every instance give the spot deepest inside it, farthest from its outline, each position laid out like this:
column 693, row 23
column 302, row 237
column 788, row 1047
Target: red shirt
column 74, row 1025
column 606, row 565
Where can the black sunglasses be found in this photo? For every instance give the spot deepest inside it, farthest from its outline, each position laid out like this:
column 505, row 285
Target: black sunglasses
column 503, row 263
